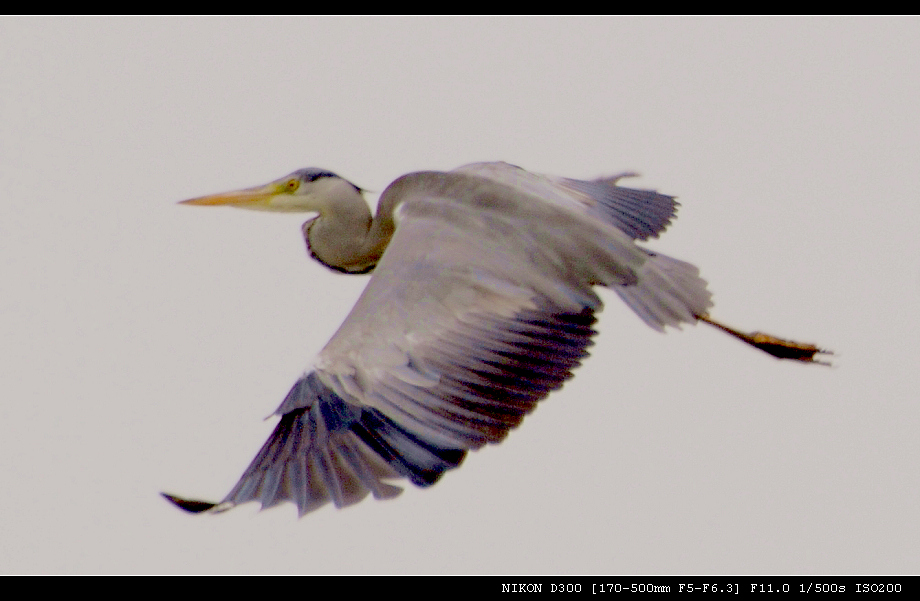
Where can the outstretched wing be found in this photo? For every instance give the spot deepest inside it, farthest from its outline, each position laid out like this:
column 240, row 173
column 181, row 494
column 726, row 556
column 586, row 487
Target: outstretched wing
column 329, row 449
column 482, row 304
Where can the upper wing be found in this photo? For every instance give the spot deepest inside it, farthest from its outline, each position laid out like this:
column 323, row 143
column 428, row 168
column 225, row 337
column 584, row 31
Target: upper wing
column 481, row 305
column 640, row 214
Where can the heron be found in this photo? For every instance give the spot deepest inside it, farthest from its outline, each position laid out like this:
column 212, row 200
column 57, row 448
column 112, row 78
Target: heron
column 481, row 302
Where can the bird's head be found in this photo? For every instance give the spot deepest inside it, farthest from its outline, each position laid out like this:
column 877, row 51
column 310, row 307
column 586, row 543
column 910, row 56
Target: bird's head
column 306, row 190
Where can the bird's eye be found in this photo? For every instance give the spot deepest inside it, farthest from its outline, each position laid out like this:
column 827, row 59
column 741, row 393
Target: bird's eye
column 292, row 185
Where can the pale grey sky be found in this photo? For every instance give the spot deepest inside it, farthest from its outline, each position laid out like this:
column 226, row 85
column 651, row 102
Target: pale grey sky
column 143, row 342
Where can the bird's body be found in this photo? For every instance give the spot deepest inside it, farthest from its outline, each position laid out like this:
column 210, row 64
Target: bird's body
column 482, row 301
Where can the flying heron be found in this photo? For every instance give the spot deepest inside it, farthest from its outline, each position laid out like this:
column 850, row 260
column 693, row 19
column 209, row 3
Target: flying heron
column 481, row 303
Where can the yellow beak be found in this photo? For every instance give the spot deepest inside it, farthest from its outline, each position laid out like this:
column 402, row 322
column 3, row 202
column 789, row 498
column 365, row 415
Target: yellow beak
column 258, row 197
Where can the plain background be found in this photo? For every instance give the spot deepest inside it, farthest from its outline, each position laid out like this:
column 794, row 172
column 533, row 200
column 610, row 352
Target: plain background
column 144, row 342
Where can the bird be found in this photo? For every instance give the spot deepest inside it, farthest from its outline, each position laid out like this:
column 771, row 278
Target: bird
column 482, row 300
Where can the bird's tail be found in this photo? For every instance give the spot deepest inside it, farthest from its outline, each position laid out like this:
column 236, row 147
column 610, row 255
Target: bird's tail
column 669, row 292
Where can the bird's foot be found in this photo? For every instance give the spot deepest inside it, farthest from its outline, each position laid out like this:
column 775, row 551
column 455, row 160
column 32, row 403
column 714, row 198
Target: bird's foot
column 778, row 347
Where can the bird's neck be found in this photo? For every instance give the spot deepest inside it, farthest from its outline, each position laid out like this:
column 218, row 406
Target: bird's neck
column 348, row 239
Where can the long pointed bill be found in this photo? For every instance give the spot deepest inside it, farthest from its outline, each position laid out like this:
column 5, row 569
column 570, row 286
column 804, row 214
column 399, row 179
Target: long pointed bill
column 258, row 198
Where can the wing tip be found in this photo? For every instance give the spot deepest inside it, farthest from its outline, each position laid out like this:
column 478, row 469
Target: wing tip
column 189, row 505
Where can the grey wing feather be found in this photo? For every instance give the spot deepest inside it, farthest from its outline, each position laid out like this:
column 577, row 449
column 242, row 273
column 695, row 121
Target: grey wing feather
column 641, row 214
column 493, row 371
